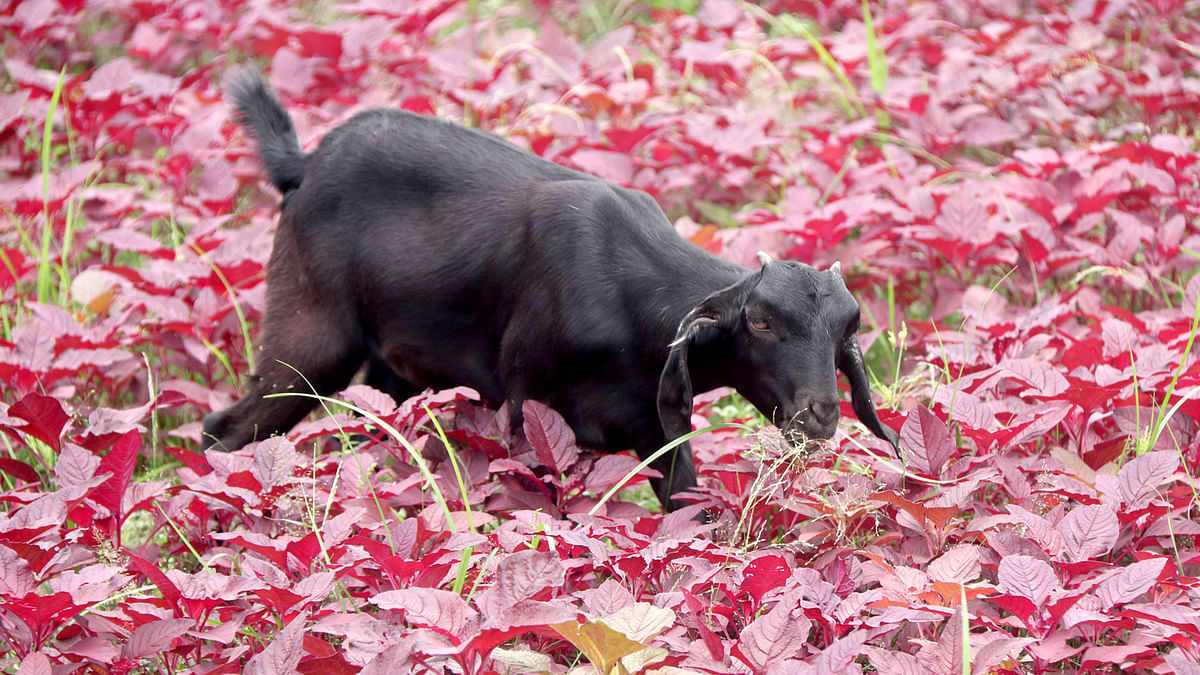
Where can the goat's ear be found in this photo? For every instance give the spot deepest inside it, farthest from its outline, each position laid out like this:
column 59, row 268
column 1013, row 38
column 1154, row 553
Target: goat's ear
column 722, row 308
column 850, row 361
column 675, row 383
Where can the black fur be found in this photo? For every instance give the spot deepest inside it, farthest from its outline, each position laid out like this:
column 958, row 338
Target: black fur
column 444, row 256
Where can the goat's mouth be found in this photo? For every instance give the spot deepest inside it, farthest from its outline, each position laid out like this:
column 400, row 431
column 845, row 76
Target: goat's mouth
column 803, row 430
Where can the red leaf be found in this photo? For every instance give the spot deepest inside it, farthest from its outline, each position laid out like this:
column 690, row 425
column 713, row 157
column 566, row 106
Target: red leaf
column 18, row 469
column 169, row 592
column 763, row 574
column 120, row 461
column 12, row 262
column 45, row 417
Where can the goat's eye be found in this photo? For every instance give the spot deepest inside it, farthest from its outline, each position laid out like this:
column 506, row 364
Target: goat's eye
column 758, row 323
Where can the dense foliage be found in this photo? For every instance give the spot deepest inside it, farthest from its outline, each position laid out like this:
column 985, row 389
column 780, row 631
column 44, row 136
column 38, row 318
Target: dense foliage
column 1013, row 189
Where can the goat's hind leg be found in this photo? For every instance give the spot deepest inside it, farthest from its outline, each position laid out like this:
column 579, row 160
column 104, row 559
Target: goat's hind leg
column 306, row 347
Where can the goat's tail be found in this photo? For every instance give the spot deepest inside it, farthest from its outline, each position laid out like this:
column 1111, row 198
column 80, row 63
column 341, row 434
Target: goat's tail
column 261, row 113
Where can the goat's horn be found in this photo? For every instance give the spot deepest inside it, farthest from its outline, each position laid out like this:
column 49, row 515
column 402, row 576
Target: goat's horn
column 763, row 258
column 836, row 267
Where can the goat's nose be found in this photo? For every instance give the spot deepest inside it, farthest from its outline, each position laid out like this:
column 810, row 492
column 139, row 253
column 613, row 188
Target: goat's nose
column 825, row 411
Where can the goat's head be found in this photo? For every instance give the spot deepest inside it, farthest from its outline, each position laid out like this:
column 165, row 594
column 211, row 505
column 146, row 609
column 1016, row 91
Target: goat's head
column 779, row 335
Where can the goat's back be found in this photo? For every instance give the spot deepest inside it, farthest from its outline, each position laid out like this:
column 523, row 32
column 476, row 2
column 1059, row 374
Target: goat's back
column 457, row 245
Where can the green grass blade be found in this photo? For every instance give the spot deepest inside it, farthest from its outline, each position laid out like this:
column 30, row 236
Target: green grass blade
column 876, row 59
column 659, row 453
column 45, row 263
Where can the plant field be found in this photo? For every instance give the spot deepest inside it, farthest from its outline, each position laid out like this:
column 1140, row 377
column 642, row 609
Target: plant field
column 1013, row 191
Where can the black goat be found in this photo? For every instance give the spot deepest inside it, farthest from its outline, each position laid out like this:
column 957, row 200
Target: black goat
column 445, row 256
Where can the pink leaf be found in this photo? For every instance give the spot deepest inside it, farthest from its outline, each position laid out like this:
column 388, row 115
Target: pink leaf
column 524, row 574
column 997, row 651
column 35, row 664
column 1140, row 478
column 1027, row 577
column 111, row 78
column 433, row 608
column 274, row 460
column 1131, row 582
column 370, row 399
column 283, row 654
column 606, row 164
column 893, row 662
column 16, row 576
column 607, row 470
column 958, row 565
column 838, row 657
column 292, row 73
column 1105, row 656
column 1043, row 377
column 926, row 441
column 1176, row 660
column 989, row 131
column 772, row 637
column 76, row 466
column 605, row 599
column 154, row 637
column 12, row 107
column 46, row 511
column 719, row 14
column 1089, row 531
column 944, row 656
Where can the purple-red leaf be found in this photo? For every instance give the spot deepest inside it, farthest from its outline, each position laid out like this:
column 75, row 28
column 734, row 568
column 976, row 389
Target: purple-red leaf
column 926, row 442
column 550, row 436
